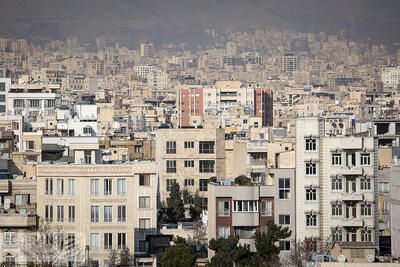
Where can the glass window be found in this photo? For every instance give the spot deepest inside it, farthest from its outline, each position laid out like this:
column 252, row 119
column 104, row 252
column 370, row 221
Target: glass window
column 311, row 144
column 284, row 219
column 366, row 235
column 121, row 240
column 311, row 169
column 48, row 213
column 311, row 220
column 107, row 187
column 337, row 235
column 385, row 207
column 365, row 184
column 121, row 213
column 60, row 213
column 266, row 208
column 144, row 179
column 22, row 199
column 311, row 194
column 203, row 184
column 206, row 166
column 189, row 182
column 223, row 208
column 224, row 231
column 189, row 163
column 49, row 186
column 206, row 147
column 383, row 188
column 70, row 240
column 144, row 202
column 366, row 210
column 170, row 182
column 2, row 87
column 245, row 232
column 71, row 213
column 171, row 166
column 10, row 238
column 365, row 159
column 284, row 245
column 337, row 210
column 94, row 241
column 337, row 185
column 245, row 206
column 71, row 187
column 94, row 213
column 336, row 159
column 2, row 98
column 121, row 187
column 284, row 188
column 107, row 241
column 189, row 144
column 60, row 187
column 171, row 147
column 94, row 187
column 144, row 224
column 108, row 214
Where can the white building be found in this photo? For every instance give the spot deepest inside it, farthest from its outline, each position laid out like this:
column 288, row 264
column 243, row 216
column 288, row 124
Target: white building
column 4, row 85
column 335, row 184
column 391, row 76
column 157, row 80
column 78, row 120
column 144, row 71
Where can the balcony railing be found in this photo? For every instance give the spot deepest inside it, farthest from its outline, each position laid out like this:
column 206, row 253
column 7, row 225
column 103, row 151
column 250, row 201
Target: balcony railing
column 352, row 196
column 353, row 222
column 352, row 170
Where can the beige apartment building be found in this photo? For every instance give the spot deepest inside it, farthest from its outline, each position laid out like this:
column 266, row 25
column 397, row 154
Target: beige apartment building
column 190, row 156
column 103, row 206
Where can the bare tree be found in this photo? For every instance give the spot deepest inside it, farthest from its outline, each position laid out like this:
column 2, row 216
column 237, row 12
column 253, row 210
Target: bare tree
column 199, row 235
column 304, row 250
column 113, row 258
column 49, row 246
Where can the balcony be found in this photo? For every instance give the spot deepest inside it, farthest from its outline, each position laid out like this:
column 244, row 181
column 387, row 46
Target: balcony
column 17, row 220
column 352, row 170
column 4, row 186
column 257, row 146
column 352, row 196
column 6, row 135
column 352, row 222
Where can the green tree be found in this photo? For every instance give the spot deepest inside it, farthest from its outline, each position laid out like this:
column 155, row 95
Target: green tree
column 228, row 252
column 125, row 256
column 164, row 213
column 267, row 251
column 175, row 204
column 196, row 209
column 242, row 180
column 178, row 255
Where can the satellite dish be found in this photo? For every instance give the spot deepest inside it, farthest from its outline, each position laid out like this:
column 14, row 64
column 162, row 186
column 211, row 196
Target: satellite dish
column 342, row 258
column 370, row 258
column 7, row 203
column 4, row 156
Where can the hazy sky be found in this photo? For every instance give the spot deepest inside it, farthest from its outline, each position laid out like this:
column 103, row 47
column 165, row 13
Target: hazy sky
column 166, row 20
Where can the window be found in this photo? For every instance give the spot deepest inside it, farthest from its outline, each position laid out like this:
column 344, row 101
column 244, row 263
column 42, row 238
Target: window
column 2, row 98
column 189, row 163
column 107, row 187
column 48, row 213
column 336, row 159
column 366, row 210
column 144, row 179
column 284, row 245
column 311, row 169
column 337, row 185
column 170, row 182
column 121, row 213
column 357, row 253
column 88, row 157
column 2, row 87
column 366, row 235
column 144, row 224
column 245, row 206
column 71, row 187
column 171, row 166
column 18, row 103
column 60, row 187
column 71, row 240
column 337, row 235
column 284, row 188
column 137, row 149
column 311, row 144
column 206, row 165
column 34, row 103
column 245, row 232
column 143, row 247
column 49, row 186
column 94, row 241
column 71, row 213
column 121, row 187
column 365, row 159
column 206, row 147
column 311, row 194
column 203, row 185
column 22, row 199
column 108, row 214
column 266, row 208
column 223, row 208
column 385, row 207
column 365, row 184
column 94, row 213
column 144, row 202
column 10, row 238
column 284, row 219
column 189, row 144
column 189, row 182
column 51, row 103
column 383, row 188
column 60, row 213
column 224, row 231
column 107, row 241
column 311, row 220
column 87, row 130
column 121, row 240
column 171, row 147
column 337, row 210
column 94, row 187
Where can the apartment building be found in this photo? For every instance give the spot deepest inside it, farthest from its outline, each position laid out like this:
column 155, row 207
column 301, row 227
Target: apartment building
column 288, row 62
column 190, row 157
column 390, row 77
column 18, row 218
column 94, row 204
column 395, row 206
column 190, row 105
column 335, row 184
column 4, row 87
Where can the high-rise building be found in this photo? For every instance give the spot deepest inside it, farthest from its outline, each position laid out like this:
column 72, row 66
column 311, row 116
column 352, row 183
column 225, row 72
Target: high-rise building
column 288, row 62
column 391, row 77
column 4, row 87
column 335, row 185
column 231, row 48
column 263, row 105
column 146, row 49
